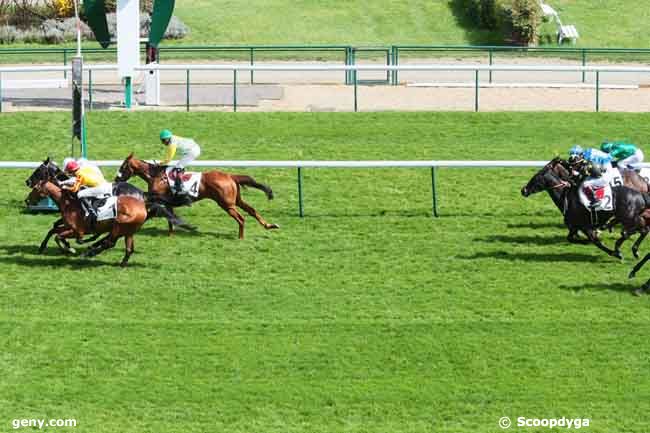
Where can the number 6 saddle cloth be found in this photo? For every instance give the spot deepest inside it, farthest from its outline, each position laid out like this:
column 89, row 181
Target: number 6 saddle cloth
column 597, row 194
column 190, row 182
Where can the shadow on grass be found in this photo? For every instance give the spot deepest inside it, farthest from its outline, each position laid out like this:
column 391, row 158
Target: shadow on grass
column 27, row 255
column 160, row 232
column 529, row 225
column 537, row 257
column 615, row 287
column 525, row 240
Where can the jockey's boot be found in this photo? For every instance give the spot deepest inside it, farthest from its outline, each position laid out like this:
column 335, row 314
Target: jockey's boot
column 178, row 182
column 91, row 215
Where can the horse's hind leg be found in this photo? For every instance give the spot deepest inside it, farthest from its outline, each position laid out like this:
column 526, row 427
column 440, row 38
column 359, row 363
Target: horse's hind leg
column 128, row 243
column 252, row 212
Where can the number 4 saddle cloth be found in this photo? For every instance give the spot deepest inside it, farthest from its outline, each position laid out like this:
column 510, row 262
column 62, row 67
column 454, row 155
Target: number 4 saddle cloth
column 597, row 194
column 190, row 182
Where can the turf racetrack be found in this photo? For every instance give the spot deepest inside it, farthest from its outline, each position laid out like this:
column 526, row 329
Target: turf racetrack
column 366, row 316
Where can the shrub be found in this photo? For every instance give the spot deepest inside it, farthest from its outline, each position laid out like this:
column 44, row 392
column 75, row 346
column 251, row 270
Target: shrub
column 63, row 8
column 525, row 20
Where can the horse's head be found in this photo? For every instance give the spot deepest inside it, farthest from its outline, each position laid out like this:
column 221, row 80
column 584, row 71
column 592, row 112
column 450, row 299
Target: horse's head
column 554, row 175
column 46, row 171
column 127, row 169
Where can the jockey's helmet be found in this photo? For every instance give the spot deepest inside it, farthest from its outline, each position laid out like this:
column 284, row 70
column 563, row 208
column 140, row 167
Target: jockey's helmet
column 607, row 146
column 165, row 134
column 71, row 166
column 576, row 152
column 66, row 161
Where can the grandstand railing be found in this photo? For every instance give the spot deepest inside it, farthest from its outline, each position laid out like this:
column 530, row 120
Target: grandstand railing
column 301, row 165
column 353, row 69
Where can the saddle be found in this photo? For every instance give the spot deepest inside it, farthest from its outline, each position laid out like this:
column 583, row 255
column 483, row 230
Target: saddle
column 173, row 174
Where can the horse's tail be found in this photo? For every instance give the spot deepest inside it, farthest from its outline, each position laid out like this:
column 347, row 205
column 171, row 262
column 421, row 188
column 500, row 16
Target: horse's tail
column 249, row 181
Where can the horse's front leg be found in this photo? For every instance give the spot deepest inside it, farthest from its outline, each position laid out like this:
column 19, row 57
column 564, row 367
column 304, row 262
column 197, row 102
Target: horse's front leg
column 63, row 243
column 593, row 238
column 56, row 227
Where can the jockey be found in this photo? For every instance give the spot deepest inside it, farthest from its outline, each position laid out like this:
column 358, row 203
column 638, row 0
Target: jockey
column 90, row 177
column 625, row 155
column 188, row 150
column 598, row 168
column 577, row 162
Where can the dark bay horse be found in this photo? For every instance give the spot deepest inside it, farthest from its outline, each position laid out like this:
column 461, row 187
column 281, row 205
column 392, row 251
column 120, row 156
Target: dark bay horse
column 630, row 207
column 223, row 188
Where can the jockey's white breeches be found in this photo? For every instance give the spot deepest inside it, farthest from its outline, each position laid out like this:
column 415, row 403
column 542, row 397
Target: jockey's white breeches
column 190, row 156
column 630, row 162
column 103, row 190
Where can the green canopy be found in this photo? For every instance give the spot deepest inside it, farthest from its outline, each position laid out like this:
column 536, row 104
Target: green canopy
column 96, row 15
column 162, row 14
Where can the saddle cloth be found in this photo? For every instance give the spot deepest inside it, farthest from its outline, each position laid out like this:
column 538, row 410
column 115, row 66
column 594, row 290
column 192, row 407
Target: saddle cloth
column 615, row 176
column 106, row 209
column 597, row 194
column 190, row 182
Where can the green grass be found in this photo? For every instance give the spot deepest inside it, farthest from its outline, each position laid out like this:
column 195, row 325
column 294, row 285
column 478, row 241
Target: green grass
column 366, row 316
column 611, row 24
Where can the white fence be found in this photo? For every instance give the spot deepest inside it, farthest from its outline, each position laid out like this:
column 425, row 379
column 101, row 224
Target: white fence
column 351, row 69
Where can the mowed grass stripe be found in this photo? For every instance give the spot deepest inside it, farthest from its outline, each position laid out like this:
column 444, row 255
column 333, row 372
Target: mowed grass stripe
column 366, row 316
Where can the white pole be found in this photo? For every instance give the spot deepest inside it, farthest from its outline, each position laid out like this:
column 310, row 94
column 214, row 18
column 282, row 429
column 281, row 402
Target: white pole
column 76, row 14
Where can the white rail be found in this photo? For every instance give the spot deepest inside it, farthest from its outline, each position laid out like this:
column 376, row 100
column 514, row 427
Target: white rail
column 329, row 67
column 318, row 164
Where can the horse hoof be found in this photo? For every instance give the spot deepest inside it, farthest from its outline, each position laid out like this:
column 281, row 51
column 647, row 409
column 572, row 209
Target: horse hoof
column 618, row 255
column 635, row 254
column 272, row 226
column 41, row 250
column 639, row 292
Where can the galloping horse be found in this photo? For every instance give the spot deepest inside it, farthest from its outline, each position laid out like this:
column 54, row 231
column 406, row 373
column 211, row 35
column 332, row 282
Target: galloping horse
column 131, row 214
column 223, row 188
column 631, row 207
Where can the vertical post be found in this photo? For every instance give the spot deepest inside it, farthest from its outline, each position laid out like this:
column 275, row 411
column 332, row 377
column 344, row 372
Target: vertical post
column 347, row 63
column 84, row 142
column 90, row 90
column 187, row 90
column 584, row 63
column 392, row 73
column 252, row 61
column 65, row 63
column 476, row 90
column 0, row 92
column 356, row 86
column 433, row 192
column 301, row 210
column 128, row 92
column 396, row 62
column 491, row 54
column 597, row 91
column 387, row 64
column 234, row 90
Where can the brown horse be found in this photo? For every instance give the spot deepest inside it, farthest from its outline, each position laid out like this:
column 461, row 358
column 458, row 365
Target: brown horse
column 223, row 188
column 131, row 214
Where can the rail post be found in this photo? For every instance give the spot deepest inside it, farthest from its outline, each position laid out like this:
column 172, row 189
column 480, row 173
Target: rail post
column 356, row 87
column 584, row 63
column 187, row 90
column 252, row 62
column 434, row 195
column 90, row 90
column 65, row 63
column 597, row 91
column 476, row 90
column 301, row 210
column 234, row 90
column 491, row 61
column 387, row 64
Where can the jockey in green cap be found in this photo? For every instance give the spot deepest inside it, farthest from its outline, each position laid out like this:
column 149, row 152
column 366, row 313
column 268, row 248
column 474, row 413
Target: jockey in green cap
column 625, row 155
column 187, row 149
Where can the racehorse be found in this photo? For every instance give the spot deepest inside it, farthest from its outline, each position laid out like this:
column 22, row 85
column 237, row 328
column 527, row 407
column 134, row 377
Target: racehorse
column 223, row 188
column 131, row 214
column 630, row 207
column 122, row 188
